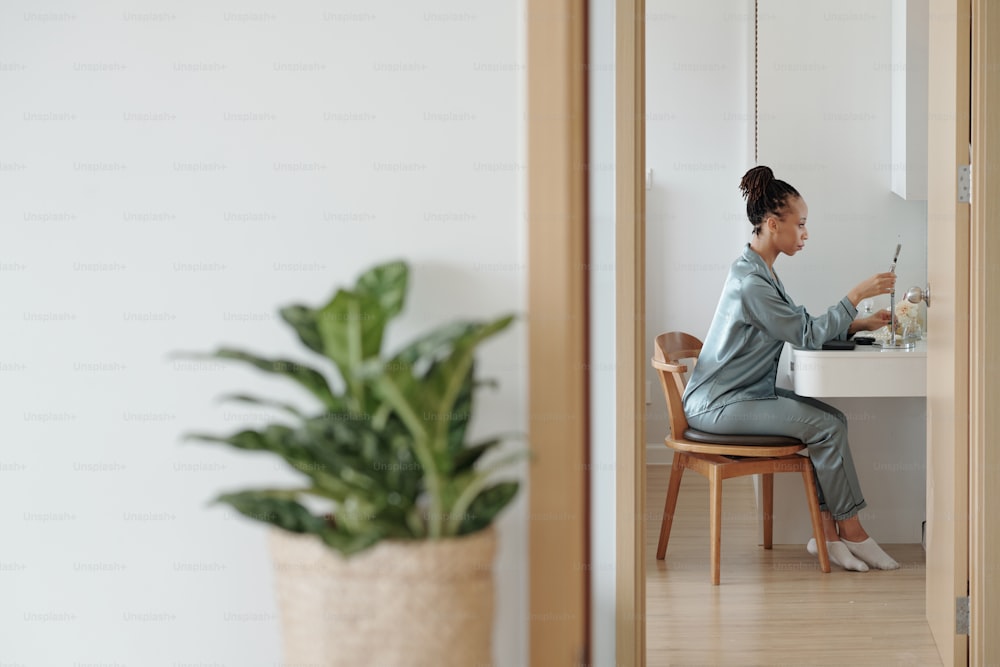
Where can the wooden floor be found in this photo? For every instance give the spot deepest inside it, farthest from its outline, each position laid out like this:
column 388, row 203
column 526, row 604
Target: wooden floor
column 773, row 608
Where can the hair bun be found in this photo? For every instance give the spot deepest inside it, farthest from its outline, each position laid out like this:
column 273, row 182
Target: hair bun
column 755, row 181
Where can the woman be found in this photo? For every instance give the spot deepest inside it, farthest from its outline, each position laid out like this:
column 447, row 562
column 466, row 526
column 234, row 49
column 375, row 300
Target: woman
column 732, row 389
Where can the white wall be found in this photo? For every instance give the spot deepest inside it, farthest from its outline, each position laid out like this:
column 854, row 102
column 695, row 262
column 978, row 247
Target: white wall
column 601, row 79
column 169, row 177
column 699, row 120
column 824, row 127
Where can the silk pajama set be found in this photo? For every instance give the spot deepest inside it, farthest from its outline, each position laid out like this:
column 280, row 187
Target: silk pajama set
column 732, row 387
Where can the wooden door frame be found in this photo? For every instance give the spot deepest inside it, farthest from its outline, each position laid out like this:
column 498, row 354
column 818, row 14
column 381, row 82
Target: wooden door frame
column 630, row 330
column 984, row 332
column 558, row 382
column 949, row 357
column 984, row 381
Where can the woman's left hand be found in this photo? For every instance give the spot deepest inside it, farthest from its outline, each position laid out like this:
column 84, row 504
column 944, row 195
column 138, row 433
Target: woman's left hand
column 874, row 321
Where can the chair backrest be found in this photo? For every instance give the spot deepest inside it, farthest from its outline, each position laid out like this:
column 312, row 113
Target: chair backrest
column 668, row 350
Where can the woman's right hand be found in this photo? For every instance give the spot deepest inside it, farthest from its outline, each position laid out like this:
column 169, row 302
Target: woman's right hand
column 880, row 283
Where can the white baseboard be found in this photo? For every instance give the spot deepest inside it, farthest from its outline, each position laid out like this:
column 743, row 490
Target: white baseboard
column 658, row 454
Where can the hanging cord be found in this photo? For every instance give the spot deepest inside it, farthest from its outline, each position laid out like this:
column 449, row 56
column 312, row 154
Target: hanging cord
column 756, row 70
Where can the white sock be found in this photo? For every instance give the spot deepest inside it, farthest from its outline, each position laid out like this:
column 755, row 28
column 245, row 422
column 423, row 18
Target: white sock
column 870, row 552
column 839, row 555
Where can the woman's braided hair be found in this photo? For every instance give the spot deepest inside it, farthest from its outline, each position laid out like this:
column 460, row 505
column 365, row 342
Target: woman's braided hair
column 764, row 194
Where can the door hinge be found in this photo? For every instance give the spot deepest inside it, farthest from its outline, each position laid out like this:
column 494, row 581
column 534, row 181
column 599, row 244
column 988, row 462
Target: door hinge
column 962, row 615
column 965, row 183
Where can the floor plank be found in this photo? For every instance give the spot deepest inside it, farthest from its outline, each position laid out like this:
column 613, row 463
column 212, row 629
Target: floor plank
column 776, row 607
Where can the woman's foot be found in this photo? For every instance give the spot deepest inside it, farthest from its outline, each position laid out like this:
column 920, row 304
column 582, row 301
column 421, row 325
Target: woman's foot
column 839, row 555
column 870, row 552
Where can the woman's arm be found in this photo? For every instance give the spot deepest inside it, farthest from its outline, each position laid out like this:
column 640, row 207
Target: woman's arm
column 870, row 323
column 880, row 283
column 765, row 309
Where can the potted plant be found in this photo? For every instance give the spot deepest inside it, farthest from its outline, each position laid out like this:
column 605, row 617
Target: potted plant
column 383, row 555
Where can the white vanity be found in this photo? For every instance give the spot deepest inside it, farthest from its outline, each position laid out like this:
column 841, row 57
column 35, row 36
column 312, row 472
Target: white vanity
column 866, row 371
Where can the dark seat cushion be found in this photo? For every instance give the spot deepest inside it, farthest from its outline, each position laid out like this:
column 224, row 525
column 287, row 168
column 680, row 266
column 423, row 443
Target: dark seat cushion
column 751, row 440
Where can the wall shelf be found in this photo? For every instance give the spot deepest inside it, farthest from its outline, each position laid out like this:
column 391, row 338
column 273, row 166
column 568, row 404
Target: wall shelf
column 909, row 98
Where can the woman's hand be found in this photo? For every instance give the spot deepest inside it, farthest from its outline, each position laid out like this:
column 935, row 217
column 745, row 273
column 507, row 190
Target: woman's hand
column 880, row 283
column 872, row 322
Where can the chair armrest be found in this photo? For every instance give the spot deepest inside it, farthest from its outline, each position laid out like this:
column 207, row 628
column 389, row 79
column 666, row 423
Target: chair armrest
column 669, row 367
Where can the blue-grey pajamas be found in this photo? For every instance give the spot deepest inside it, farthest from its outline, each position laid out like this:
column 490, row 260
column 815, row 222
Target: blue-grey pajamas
column 732, row 387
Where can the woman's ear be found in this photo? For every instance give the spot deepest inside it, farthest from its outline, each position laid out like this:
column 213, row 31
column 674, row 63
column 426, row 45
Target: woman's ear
column 771, row 222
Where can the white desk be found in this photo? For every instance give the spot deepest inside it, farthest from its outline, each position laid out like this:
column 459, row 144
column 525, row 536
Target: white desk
column 882, row 392
column 863, row 371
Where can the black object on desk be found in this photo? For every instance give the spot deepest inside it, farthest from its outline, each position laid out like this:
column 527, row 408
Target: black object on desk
column 839, row 345
column 864, row 340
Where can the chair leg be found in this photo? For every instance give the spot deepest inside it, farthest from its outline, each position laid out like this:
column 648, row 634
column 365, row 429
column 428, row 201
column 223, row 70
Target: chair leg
column 715, row 520
column 767, row 491
column 817, row 521
column 676, row 471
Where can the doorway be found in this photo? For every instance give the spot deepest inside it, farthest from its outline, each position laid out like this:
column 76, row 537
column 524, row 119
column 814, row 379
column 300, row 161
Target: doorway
column 633, row 356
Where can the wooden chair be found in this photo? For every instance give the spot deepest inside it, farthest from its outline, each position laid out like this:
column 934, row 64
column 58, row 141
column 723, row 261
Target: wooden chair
column 719, row 457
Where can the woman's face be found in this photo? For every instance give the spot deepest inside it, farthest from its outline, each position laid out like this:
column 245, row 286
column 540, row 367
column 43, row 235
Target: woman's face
column 789, row 231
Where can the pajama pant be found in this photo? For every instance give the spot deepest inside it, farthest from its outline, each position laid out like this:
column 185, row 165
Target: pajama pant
column 821, row 427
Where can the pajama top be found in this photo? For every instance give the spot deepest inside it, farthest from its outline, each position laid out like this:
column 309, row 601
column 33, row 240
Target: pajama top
column 753, row 320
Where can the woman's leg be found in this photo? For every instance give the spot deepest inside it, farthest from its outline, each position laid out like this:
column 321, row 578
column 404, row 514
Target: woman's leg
column 823, row 429
column 850, row 528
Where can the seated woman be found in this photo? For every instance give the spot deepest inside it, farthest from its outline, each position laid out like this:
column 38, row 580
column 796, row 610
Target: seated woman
column 732, row 388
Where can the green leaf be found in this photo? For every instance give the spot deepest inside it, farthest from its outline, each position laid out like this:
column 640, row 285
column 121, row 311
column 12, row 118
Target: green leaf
column 459, row 417
column 432, row 345
column 374, row 460
column 276, row 507
column 436, row 394
column 432, row 373
column 351, row 327
column 487, row 505
column 310, row 378
column 274, row 438
column 469, row 486
column 467, row 457
column 264, row 402
column 415, row 522
column 386, row 284
column 303, row 320
column 356, row 512
column 351, row 543
column 425, row 403
column 291, row 445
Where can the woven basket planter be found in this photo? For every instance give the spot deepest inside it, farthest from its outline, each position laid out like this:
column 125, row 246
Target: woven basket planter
column 398, row 604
